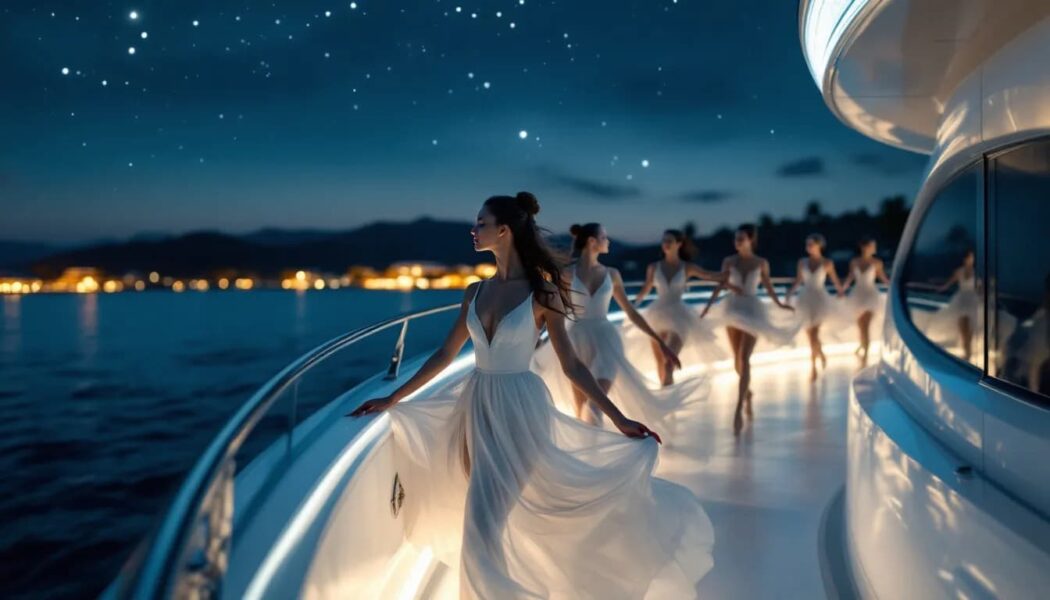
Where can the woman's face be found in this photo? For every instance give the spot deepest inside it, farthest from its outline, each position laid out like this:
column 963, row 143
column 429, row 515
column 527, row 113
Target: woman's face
column 868, row 250
column 742, row 242
column 968, row 260
column 485, row 231
column 601, row 241
column 812, row 248
column 669, row 245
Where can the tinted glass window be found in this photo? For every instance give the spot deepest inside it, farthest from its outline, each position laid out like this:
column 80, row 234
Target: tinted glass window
column 1020, row 228
column 943, row 282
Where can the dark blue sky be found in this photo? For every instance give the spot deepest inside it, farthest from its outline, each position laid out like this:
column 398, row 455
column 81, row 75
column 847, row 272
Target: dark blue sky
column 280, row 114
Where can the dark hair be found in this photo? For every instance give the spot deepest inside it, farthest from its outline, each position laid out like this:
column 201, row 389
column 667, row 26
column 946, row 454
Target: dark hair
column 582, row 233
column 819, row 240
column 542, row 265
column 687, row 250
column 750, row 231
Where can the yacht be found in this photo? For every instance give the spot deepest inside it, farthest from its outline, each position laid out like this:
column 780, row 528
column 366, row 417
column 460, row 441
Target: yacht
column 921, row 475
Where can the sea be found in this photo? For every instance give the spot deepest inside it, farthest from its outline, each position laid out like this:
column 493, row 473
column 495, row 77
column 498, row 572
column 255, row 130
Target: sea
column 106, row 401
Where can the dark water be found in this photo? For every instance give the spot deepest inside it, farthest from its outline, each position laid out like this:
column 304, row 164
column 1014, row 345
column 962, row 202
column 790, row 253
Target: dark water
column 107, row 400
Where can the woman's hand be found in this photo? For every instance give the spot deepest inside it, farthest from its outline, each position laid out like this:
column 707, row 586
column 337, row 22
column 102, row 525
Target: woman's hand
column 634, row 429
column 373, row 406
column 670, row 355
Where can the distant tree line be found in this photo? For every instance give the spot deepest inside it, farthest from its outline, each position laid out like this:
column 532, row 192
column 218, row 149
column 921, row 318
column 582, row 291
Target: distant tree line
column 783, row 241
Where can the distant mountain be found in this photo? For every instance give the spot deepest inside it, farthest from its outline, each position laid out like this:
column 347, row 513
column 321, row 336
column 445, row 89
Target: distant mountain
column 270, row 251
column 16, row 256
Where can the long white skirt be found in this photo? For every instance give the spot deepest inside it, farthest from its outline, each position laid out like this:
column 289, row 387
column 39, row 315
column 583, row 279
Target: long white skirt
column 701, row 344
column 775, row 325
column 600, row 345
column 552, row 508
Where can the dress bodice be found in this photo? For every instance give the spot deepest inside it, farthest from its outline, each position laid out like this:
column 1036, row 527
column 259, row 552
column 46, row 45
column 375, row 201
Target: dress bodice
column 814, row 278
column 513, row 339
column 865, row 277
column 748, row 284
column 591, row 306
column 669, row 290
column 968, row 283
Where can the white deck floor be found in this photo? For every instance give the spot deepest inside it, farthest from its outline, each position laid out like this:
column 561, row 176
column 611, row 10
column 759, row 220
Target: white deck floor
column 767, row 490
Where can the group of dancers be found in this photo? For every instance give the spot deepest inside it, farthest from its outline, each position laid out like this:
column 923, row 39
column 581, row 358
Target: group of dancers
column 534, row 474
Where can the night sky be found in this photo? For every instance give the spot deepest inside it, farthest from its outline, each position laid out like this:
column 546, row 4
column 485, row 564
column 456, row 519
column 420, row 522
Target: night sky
column 165, row 117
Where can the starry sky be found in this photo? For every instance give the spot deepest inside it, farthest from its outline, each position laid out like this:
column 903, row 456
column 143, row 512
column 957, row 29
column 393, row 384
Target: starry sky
column 120, row 118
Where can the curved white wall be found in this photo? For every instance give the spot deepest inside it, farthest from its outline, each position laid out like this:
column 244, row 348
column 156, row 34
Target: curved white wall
column 917, row 529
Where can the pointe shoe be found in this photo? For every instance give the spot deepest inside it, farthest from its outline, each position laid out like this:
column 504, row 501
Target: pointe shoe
column 738, row 423
column 747, row 405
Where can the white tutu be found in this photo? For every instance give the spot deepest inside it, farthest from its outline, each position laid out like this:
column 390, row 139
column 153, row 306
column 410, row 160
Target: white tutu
column 552, row 507
column 865, row 297
column 747, row 312
column 599, row 344
column 670, row 313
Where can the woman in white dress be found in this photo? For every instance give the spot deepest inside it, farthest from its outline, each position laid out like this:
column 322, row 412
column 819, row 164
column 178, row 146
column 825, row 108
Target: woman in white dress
column 864, row 302
column 600, row 344
column 815, row 305
column 958, row 319
column 745, row 316
column 678, row 324
column 543, row 506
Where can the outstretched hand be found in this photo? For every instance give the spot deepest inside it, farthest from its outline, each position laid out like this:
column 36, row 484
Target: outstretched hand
column 634, row 429
column 376, row 405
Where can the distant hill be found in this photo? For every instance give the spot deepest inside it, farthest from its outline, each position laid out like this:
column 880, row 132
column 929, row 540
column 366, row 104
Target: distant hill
column 16, row 256
column 269, row 251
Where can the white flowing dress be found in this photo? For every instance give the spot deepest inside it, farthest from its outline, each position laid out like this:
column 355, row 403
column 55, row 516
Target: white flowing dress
column 600, row 345
column 552, row 507
column 746, row 311
column 669, row 312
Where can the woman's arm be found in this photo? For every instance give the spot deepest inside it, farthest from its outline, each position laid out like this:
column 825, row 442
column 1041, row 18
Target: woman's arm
column 829, row 266
column 768, row 284
column 951, row 281
column 693, row 270
column 880, row 272
column 797, row 282
column 581, row 377
column 850, row 277
column 620, row 295
column 647, row 286
column 718, row 290
column 437, row 362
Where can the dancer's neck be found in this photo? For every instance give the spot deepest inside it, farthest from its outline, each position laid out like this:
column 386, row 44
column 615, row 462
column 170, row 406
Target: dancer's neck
column 509, row 266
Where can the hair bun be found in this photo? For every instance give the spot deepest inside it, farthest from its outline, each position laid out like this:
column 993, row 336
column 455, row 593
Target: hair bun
column 576, row 229
column 528, row 203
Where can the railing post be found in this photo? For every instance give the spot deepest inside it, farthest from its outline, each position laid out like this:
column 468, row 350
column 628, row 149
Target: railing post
column 399, row 353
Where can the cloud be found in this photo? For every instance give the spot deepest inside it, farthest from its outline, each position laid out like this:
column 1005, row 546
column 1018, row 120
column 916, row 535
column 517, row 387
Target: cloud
column 594, row 188
column 896, row 162
column 706, row 196
column 803, row 167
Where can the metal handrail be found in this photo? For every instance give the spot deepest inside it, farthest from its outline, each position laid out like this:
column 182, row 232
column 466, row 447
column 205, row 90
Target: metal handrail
column 154, row 579
column 168, row 546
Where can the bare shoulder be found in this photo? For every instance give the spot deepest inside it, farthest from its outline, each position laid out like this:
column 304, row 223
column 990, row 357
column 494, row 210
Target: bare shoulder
column 728, row 262
column 471, row 292
column 614, row 274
